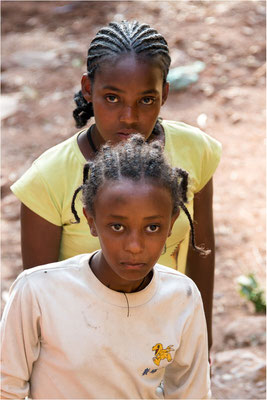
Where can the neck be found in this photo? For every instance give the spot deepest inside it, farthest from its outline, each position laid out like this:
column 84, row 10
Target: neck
column 96, row 137
column 84, row 146
column 108, row 278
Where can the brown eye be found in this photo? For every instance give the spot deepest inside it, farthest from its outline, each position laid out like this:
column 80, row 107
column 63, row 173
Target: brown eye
column 152, row 228
column 148, row 100
column 112, row 99
column 117, row 227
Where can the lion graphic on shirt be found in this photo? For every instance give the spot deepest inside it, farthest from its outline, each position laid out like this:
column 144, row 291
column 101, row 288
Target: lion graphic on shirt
column 161, row 353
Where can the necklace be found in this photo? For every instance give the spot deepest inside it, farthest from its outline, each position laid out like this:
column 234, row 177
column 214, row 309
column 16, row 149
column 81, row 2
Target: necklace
column 145, row 282
column 139, row 287
column 90, row 140
column 142, row 285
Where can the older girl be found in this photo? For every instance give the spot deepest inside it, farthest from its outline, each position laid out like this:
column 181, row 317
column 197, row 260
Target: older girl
column 124, row 89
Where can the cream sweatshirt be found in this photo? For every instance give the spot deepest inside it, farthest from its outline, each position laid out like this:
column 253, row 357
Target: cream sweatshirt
column 67, row 336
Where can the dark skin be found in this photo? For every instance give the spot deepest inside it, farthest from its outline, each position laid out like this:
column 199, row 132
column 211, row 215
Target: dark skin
column 127, row 106
column 40, row 240
column 43, row 235
column 199, row 268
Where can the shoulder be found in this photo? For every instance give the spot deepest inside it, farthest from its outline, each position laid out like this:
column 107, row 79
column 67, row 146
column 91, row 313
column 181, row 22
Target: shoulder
column 38, row 289
column 66, row 151
column 43, row 276
column 60, row 163
column 192, row 149
column 177, row 132
column 177, row 282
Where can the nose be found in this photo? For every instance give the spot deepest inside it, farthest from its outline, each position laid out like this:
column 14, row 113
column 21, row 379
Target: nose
column 134, row 243
column 129, row 114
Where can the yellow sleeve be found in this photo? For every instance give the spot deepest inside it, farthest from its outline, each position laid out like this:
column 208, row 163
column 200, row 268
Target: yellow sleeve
column 195, row 151
column 34, row 191
column 199, row 154
column 211, row 154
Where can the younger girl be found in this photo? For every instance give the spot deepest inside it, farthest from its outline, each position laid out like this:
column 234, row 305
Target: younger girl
column 112, row 324
column 124, row 88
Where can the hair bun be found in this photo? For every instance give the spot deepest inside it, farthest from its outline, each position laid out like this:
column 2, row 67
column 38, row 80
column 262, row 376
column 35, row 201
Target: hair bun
column 105, row 147
column 157, row 145
column 137, row 139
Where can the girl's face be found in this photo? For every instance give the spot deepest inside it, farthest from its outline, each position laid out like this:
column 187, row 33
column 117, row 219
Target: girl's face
column 127, row 95
column 132, row 221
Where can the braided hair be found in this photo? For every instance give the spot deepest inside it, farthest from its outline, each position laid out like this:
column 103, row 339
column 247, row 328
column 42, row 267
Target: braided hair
column 114, row 40
column 134, row 159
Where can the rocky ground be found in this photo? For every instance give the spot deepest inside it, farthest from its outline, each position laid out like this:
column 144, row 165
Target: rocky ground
column 44, row 46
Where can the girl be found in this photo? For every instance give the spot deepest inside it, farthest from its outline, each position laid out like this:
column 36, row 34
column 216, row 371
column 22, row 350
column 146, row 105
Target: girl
column 124, row 89
column 112, row 324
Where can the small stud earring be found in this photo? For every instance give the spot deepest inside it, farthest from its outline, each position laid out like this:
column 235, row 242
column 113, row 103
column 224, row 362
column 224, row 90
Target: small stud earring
column 93, row 231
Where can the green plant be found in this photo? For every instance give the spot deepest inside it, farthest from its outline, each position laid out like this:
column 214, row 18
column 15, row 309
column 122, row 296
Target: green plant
column 249, row 288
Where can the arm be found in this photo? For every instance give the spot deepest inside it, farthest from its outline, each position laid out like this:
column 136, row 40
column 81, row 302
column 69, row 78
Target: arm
column 20, row 343
column 40, row 240
column 199, row 268
column 188, row 376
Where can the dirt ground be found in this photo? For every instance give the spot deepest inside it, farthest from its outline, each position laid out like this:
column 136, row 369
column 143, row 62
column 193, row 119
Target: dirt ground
column 44, row 47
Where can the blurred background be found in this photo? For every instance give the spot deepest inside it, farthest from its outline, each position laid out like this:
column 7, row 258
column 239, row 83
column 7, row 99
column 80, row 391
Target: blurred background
column 44, row 47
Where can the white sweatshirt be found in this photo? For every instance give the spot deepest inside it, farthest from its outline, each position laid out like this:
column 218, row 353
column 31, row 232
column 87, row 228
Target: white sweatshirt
column 67, row 336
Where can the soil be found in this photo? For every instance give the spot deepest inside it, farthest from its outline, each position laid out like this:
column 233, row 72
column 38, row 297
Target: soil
column 44, row 47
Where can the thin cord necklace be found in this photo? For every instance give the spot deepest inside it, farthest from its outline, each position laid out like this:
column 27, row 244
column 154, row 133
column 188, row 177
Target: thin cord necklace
column 136, row 290
column 142, row 285
column 128, row 307
column 90, row 140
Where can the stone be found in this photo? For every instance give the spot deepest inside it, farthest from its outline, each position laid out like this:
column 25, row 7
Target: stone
column 246, row 331
column 9, row 104
column 241, row 367
column 36, row 59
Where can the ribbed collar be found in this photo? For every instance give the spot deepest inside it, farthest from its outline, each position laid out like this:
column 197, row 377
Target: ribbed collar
column 117, row 298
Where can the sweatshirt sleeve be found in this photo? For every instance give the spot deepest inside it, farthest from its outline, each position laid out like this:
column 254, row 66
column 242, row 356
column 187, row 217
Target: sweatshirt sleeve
column 188, row 376
column 20, row 340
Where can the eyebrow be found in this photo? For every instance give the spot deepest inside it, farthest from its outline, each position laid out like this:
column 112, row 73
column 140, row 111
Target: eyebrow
column 154, row 217
column 147, row 218
column 114, row 89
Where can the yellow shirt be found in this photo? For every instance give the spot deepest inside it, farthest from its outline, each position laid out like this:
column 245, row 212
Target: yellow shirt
column 48, row 186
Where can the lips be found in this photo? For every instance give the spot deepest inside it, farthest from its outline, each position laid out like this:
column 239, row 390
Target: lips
column 126, row 133
column 132, row 265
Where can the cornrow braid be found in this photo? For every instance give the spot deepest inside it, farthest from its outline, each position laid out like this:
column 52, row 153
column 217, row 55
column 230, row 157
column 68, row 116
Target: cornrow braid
column 110, row 170
column 134, row 159
column 120, row 38
column 131, row 160
column 193, row 242
column 183, row 179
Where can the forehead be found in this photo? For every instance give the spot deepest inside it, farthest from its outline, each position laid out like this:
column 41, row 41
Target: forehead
column 130, row 67
column 129, row 197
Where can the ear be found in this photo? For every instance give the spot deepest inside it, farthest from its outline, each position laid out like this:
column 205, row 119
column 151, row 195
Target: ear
column 165, row 92
column 86, row 88
column 91, row 222
column 173, row 219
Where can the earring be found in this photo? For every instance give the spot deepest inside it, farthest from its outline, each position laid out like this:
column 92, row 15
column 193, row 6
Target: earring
column 93, row 231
